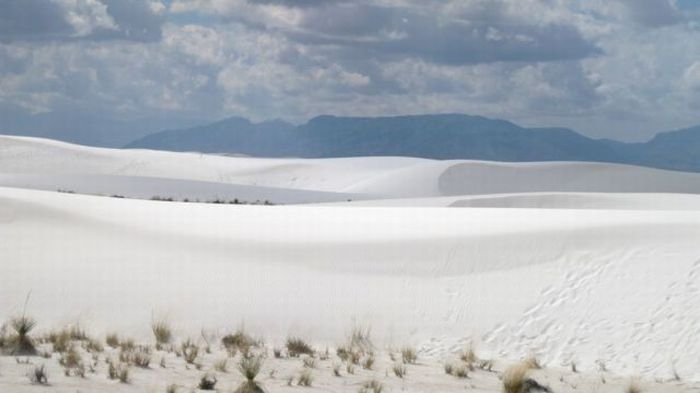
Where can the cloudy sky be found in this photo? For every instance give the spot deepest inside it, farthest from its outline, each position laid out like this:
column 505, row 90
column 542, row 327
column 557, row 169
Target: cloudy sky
column 607, row 68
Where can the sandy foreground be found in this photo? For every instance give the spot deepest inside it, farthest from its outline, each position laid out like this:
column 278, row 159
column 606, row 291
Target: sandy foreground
column 607, row 278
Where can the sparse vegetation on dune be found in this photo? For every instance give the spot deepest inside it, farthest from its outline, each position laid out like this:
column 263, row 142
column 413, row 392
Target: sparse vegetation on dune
column 516, row 379
column 240, row 341
column 409, row 355
column 399, row 370
column 189, row 350
column 207, row 382
column 296, row 347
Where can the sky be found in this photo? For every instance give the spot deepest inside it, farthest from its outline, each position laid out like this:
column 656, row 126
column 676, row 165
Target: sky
column 621, row 69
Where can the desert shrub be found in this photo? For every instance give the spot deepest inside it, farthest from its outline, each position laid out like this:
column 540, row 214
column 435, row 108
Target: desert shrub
column 399, row 370
column 468, row 356
column 372, row 386
column 360, row 339
column 93, row 346
column 172, row 388
column 297, row 346
column 309, row 362
column 461, row 371
column 277, row 352
column 350, row 368
column 633, row 387
column 72, row 362
column 368, row 362
column 449, row 368
column 112, row 339
column 221, row 365
column 118, row 370
column 39, row 375
column 207, row 382
column 60, row 341
column 336, row 369
column 162, row 332
column 306, row 378
column 239, row 341
column 409, row 355
column 139, row 356
column 515, row 377
column 189, row 350
column 250, row 368
column 21, row 344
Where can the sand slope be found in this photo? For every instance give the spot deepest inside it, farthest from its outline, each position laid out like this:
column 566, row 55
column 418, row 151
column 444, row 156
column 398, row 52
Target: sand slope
column 585, row 285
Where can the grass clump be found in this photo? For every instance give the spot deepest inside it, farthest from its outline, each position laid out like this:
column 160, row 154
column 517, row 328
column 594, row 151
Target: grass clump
column 39, row 375
column 72, row 362
column 250, row 367
column 162, row 333
column 239, row 341
column 221, row 366
column 309, row 361
column 399, row 370
column 190, row 351
column 112, row 340
column 138, row 356
column 296, row 346
column 516, row 380
column 409, row 355
column 368, row 361
column 118, row 371
column 372, row 386
column 306, row 378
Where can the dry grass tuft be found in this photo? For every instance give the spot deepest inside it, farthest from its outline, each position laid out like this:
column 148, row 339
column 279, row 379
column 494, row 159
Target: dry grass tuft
column 368, row 362
column 296, row 346
column 112, row 340
column 172, row 388
column 372, row 386
column 532, row 363
column 399, row 370
column 39, row 375
column 469, row 356
column 336, row 369
column 309, row 361
column 118, row 370
column 461, row 371
column 449, row 368
column 72, row 362
column 139, row 356
column 409, row 355
column 239, row 341
column 162, row 332
column 221, row 366
column 306, row 378
column 189, row 350
column 515, row 380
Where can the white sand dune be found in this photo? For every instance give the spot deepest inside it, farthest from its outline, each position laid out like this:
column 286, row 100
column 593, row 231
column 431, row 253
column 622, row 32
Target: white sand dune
column 585, row 285
column 543, row 200
column 363, row 177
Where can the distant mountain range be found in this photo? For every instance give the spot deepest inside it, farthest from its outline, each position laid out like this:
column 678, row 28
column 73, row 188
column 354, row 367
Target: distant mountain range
column 448, row 136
